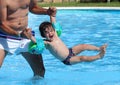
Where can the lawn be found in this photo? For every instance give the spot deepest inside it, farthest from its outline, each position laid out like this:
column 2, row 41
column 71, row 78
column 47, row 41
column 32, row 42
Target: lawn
column 78, row 4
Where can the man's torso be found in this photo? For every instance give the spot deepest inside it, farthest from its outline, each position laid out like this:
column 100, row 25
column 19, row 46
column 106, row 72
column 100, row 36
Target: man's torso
column 17, row 14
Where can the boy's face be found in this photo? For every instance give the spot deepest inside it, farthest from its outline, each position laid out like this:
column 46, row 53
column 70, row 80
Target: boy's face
column 49, row 33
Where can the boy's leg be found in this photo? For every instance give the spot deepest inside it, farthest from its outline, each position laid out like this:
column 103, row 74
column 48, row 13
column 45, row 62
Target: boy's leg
column 36, row 63
column 79, row 48
column 78, row 59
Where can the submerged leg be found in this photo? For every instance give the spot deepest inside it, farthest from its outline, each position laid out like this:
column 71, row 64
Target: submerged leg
column 36, row 63
column 2, row 56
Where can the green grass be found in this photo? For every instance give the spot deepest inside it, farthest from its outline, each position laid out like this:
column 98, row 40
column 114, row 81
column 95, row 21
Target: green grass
column 78, row 4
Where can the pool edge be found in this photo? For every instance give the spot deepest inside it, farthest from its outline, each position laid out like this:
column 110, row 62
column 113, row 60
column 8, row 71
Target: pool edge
column 105, row 8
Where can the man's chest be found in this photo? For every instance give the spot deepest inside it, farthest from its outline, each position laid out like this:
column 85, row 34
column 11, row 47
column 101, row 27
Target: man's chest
column 14, row 5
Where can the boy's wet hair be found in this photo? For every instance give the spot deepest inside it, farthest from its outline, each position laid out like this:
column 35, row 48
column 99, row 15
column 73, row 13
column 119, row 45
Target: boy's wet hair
column 43, row 27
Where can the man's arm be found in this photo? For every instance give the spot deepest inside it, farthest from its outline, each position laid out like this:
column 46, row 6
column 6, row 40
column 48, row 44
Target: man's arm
column 34, row 8
column 3, row 19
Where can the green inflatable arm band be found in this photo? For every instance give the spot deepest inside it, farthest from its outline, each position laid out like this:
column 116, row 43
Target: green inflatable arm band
column 57, row 27
column 36, row 48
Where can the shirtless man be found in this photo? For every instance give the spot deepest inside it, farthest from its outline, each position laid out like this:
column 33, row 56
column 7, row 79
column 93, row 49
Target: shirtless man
column 13, row 27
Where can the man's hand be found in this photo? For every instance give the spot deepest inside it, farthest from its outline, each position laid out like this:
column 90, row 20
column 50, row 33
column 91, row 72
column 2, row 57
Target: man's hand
column 52, row 11
column 26, row 33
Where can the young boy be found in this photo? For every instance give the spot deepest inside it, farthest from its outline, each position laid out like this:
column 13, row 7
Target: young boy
column 56, row 47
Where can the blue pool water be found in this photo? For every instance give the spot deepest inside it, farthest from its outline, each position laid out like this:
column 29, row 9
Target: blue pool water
column 79, row 26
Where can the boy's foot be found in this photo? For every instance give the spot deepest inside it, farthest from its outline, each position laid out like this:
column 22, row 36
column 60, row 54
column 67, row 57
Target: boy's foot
column 103, row 46
column 103, row 50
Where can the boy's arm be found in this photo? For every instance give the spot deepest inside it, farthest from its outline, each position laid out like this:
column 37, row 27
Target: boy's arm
column 52, row 19
column 28, row 33
column 56, row 25
column 33, row 39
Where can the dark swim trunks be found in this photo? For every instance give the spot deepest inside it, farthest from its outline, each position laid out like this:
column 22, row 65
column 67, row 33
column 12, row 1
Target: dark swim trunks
column 67, row 60
column 4, row 35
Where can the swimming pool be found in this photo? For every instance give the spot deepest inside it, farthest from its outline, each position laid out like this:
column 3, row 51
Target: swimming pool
column 79, row 26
